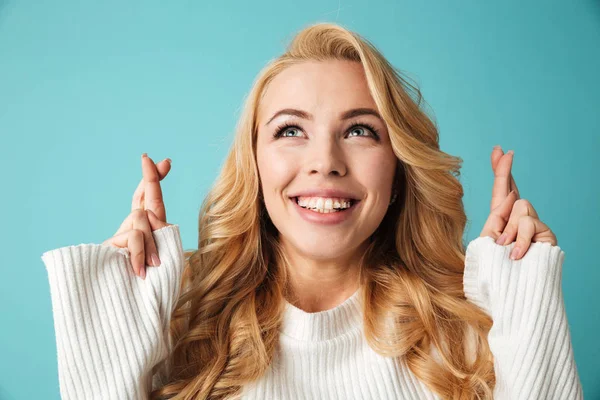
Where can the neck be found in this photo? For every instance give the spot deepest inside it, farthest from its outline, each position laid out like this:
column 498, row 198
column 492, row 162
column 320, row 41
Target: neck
column 338, row 321
column 320, row 284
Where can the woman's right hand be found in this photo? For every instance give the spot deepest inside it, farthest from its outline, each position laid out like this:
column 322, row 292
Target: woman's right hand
column 147, row 215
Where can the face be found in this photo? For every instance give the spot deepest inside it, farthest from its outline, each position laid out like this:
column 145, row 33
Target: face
column 334, row 152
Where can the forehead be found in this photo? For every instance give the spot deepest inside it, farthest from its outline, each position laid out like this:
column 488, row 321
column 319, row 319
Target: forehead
column 317, row 86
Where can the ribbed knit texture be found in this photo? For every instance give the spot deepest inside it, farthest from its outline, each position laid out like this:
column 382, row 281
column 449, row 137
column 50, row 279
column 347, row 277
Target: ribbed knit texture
column 112, row 327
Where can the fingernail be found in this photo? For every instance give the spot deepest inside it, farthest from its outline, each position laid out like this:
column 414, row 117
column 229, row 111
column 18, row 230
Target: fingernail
column 155, row 260
column 169, row 160
column 497, row 147
column 143, row 273
column 510, row 152
column 144, row 155
column 515, row 253
column 501, row 239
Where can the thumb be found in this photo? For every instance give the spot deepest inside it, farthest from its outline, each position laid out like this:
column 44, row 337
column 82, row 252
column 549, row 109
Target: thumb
column 155, row 222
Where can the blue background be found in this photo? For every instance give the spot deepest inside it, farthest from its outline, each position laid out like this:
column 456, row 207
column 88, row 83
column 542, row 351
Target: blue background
column 86, row 87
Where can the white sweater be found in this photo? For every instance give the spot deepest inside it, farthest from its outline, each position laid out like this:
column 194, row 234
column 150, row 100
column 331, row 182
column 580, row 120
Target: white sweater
column 112, row 328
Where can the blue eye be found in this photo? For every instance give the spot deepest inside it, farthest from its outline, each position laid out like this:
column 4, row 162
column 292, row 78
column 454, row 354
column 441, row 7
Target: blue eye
column 354, row 129
column 281, row 131
column 374, row 133
column 285, row 129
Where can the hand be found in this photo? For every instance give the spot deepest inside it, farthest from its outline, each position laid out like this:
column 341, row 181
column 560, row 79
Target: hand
column 510, row 215
column 147, row 215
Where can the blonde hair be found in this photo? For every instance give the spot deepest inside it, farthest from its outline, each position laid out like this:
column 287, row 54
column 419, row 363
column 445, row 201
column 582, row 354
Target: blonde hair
column 225, row 327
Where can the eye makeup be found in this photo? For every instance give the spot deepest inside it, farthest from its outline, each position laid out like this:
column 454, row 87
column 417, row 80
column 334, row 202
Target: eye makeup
column 280, row 130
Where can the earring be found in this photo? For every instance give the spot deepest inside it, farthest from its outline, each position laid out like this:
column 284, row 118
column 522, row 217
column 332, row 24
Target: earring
column 394, row 196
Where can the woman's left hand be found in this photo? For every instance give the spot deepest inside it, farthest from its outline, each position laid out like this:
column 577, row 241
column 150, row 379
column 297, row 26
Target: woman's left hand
column 510, row 215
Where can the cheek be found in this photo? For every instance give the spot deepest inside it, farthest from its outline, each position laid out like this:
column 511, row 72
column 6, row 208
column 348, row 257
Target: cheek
column 276, row 170
column 375, row 171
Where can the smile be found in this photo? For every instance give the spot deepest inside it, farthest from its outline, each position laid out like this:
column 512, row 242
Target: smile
column 325, row 211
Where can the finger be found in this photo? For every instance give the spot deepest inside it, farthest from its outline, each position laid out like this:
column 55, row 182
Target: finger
column 155, row 223
column 163, row 168
column 498, row 218
column 140, row 222
column 526, row 227
column 531, row 230
column 127, row 223
column 502, row 177
column 497, row 153
column 513, row 185
column 133, row 240
column 153, row 198
column 521, row 208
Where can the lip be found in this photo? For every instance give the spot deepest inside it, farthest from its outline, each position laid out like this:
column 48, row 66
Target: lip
column 326, row 192
column 322, row 218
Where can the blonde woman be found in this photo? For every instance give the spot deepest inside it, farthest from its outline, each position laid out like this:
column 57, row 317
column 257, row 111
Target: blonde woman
column 330, row 261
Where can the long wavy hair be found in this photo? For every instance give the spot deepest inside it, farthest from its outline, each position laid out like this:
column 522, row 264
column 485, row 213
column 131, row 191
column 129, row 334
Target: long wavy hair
column 225, row 327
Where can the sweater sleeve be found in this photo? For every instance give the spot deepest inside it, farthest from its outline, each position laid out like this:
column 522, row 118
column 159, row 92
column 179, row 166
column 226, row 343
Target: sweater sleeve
column 530, row 337
column 111, row 326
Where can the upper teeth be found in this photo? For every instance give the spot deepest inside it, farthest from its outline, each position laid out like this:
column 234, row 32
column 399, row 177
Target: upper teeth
column 324, row 203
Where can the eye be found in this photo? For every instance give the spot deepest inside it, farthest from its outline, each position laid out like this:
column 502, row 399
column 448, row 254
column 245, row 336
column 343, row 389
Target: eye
column 355, row 129
column 282, row 130
column 360, row 127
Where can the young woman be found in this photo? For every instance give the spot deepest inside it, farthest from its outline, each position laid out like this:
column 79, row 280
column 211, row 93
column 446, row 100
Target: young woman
column 330, row 261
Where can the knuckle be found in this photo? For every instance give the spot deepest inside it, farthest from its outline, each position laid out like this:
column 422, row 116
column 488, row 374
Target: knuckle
column 136, row 234
column 140, row 256
column 521, row 241
column 152, row 176
column 527, row 220
column 522, row 203
column 138, row 213
column 156, row 202
column 149, row 241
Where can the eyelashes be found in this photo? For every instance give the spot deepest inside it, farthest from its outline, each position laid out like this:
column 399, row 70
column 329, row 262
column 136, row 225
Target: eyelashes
column 287, row 125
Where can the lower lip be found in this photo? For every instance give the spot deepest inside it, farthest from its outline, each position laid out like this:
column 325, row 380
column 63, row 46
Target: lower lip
column 322, row 218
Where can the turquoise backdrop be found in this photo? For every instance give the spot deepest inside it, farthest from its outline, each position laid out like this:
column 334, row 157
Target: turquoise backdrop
column 86, row 87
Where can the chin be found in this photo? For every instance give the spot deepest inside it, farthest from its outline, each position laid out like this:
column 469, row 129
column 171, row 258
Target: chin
column 319, row 247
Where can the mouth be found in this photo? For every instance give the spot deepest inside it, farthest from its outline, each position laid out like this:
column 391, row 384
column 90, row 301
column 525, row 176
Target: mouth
column 325, row 205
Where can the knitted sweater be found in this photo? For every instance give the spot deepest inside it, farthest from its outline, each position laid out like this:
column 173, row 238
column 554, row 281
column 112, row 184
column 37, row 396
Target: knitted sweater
column 112, row 327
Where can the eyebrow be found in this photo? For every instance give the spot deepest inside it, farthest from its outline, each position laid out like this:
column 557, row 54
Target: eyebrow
column 355, row 112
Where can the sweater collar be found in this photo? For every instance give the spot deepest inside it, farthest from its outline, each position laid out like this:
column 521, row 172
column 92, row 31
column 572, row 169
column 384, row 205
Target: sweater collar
column 323, row 325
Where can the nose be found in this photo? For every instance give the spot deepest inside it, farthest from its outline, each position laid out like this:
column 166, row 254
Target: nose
column 326, row 157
